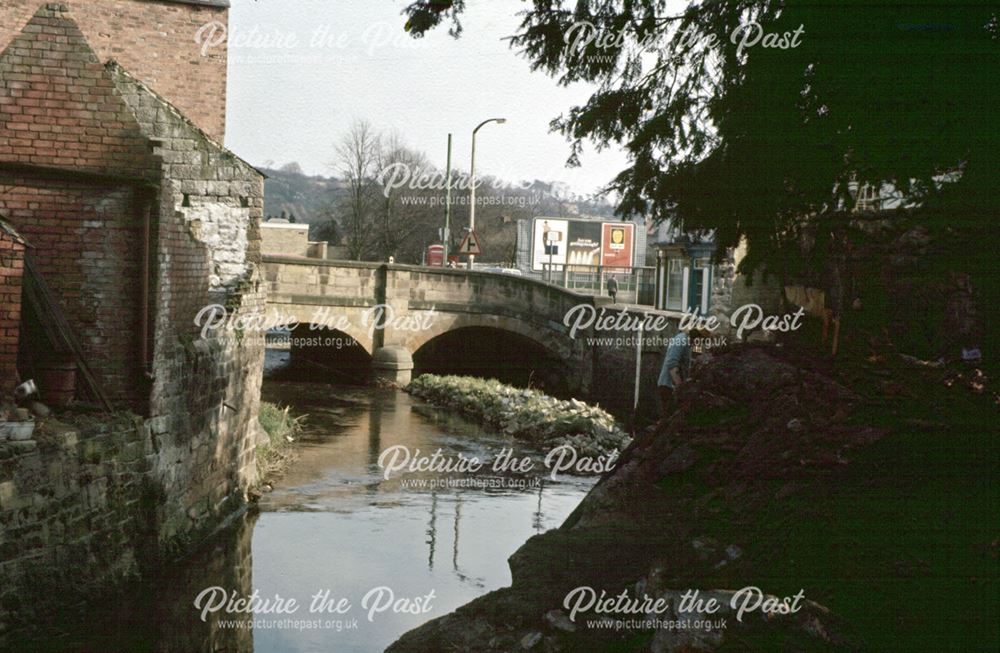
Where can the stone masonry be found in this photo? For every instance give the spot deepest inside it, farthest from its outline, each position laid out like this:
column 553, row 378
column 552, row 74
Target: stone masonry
column 206, row 392
column 597, row 365
column 91, row 157
column 74, row 517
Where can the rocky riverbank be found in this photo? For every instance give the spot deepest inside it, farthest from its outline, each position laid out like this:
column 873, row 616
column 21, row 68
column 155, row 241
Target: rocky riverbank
column 841, row 493
column 525, row 414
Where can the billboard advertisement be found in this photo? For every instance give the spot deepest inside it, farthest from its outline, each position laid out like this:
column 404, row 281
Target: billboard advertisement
column 549, row 243
column 617, row 244
column 584, row 244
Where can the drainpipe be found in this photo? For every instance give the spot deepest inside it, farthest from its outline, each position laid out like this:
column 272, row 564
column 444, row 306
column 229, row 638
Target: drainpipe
column 146, row 275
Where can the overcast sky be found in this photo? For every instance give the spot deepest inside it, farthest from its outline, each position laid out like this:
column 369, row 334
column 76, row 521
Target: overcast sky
column 290, row 98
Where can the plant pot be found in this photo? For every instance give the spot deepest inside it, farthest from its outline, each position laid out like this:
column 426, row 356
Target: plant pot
column 57, row 382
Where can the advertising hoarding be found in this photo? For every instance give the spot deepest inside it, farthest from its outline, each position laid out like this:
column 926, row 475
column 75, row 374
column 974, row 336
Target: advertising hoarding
column 583, row 243
column 549, row 243
column 617, row 243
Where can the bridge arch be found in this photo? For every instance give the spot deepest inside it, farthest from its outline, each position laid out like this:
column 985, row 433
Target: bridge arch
column 444, row 323
column 435, row 305
column 330, row 353
column 489, row 351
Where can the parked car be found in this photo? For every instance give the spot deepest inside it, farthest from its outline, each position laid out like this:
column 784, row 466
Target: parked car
column 496, row 269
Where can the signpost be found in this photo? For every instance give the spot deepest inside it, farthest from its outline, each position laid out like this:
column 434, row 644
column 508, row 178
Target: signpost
column 552, row 239
column 470, row 245
column 638, row 377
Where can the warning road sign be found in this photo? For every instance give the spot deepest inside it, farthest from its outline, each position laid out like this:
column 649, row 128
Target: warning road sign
column 470, row 245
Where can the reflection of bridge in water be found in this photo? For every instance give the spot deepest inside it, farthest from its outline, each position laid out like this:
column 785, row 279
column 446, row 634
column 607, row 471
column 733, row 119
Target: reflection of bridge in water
column 390, row 422
column 341, row 470
column 448, row 321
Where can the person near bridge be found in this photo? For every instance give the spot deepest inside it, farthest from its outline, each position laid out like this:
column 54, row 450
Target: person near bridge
column 613, row 289
column 676, row 368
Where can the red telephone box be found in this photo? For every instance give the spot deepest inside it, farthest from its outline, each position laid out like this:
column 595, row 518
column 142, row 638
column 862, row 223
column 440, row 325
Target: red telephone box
column 435, row 256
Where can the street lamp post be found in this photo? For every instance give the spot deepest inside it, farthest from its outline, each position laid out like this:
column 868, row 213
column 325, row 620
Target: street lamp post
column 446, row 240
column 472, row 181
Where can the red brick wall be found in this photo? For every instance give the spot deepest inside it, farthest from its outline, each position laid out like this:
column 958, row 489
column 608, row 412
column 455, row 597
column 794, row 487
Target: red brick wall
column 153, row 40
column 11, row 269
column 59, row 107
column 87, row 241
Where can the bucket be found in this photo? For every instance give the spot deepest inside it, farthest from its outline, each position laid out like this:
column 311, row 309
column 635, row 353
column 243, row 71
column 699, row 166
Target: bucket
column 57, row 382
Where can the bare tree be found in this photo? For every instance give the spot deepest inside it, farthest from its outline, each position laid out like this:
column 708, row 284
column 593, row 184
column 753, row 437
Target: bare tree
column 380, row 217
column 357, row 164
column 403, row 220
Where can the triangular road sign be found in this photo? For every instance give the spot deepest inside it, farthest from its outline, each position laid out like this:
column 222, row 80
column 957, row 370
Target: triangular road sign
column 470, row 244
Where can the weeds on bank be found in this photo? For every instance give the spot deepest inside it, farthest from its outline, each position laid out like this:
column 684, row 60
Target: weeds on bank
column 281, row 428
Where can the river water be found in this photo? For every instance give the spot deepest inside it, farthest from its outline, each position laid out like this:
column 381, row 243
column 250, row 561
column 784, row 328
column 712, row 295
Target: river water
column 333, row 523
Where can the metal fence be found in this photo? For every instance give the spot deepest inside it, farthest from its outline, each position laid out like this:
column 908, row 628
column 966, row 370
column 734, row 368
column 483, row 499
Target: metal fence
column 636, row 285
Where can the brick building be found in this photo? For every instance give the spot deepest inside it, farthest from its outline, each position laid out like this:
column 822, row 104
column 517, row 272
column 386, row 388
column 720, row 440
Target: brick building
column 112, row 168
column 155, row 40
column 12, row 247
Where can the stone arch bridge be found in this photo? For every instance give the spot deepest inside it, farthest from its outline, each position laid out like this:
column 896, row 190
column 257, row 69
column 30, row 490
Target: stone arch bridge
column 436, row 319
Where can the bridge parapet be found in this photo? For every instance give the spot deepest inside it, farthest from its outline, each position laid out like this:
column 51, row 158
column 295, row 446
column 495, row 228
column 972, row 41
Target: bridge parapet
column 430, row 302
column 315, row 282
column 312, row 283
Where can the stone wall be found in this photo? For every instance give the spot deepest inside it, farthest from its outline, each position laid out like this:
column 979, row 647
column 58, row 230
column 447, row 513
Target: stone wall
column 74, row 516
column 154, row 39
column 912, row 283
column 760, row 288
column 301, row 288
column 206, row 391
column 318, row 249
column 441, row 300
column 731, row 290
column 94, row 504
column 597, row 365
column 280, row 239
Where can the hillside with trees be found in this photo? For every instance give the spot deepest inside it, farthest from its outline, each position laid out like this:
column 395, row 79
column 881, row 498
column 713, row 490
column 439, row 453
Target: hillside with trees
column 384, row 199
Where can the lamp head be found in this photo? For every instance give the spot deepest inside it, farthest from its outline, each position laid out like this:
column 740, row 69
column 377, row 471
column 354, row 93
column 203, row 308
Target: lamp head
column 501, row 121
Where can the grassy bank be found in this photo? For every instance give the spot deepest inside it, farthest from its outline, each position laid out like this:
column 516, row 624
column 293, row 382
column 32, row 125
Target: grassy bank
column 281, row 428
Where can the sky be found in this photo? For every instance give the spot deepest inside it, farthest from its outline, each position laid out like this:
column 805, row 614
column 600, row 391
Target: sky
column 300, row 73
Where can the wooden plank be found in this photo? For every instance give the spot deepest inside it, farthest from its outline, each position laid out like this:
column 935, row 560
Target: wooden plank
column 58, row 330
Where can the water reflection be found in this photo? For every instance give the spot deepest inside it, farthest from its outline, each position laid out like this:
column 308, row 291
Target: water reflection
column 159, row 616
column 334, row 526
column 228, row 563
column 335, row 521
